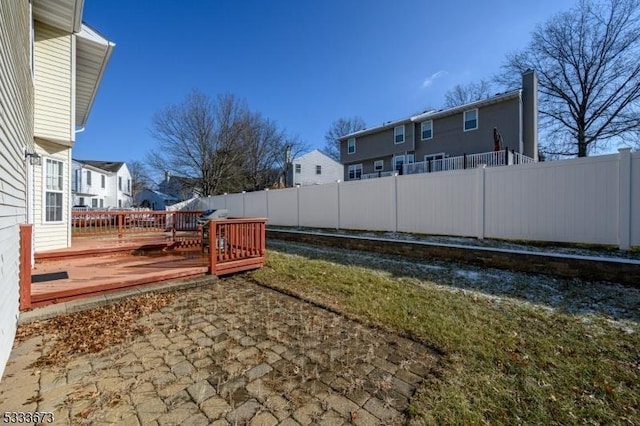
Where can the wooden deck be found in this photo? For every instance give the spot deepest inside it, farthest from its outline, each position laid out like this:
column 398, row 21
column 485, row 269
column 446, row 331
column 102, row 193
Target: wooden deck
column 92, row 267
column 101, row 259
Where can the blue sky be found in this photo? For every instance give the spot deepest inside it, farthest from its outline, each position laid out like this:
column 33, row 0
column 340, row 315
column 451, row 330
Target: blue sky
column 303, row 64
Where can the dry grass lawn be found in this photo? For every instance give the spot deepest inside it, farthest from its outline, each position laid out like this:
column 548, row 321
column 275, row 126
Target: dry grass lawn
column 517, row 349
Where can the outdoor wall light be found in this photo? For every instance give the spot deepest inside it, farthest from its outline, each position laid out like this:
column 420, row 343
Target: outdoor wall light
column 34, row 158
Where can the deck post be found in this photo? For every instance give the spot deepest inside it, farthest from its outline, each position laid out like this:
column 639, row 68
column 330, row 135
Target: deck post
column 175, row 217
column 213, row 247
column 26, row 233
column 120, row 217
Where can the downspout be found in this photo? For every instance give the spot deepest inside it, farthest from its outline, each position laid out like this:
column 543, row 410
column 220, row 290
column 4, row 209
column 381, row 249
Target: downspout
column 520, row 112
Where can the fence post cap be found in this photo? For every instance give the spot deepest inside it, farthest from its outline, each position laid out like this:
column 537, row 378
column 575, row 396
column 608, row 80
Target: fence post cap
column 624, row 149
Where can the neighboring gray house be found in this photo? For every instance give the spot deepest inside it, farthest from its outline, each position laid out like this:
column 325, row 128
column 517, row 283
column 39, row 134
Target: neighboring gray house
column 155, row 200
column 314, row 168
column 181, row 188
column 464, row 136
column 173, row 189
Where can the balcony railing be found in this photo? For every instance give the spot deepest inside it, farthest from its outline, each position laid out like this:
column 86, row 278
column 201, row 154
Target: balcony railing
column 471, row 161
column 377, row 174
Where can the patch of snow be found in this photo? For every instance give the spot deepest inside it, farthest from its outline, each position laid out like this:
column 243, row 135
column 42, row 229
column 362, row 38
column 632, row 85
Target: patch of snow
column 471, row 275
column 590, row 301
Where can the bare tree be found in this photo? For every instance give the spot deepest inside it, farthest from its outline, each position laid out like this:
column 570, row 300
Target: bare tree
column 139, row 177
column 589, row 74
column 265, row 143
column 203, row 139
column 339, row 128
column 464, row 94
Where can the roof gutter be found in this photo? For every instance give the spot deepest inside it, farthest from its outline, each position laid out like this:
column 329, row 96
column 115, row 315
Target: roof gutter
column 89, row 35
column 78, row 8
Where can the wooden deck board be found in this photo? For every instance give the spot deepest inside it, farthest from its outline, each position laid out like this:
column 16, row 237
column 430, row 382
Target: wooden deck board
column 93, row 265
column 94, row 271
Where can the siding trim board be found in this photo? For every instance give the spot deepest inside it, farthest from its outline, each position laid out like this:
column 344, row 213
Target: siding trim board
column 16, row 138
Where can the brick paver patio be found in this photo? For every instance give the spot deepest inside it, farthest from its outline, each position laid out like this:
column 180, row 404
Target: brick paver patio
column 230, row 353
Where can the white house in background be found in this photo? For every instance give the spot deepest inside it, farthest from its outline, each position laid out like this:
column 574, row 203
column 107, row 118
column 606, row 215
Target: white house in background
column 50, row 71
column 314, row 168
column 101, row 184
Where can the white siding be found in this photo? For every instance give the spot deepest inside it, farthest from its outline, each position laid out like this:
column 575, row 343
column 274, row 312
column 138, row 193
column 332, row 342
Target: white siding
column 330, row 169
column 16, row 102
column 80, row 187
column 51, row 236
column 53, row 85
column 122, row 195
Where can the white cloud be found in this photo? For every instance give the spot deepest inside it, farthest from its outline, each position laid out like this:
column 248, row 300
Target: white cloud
column 429, row 80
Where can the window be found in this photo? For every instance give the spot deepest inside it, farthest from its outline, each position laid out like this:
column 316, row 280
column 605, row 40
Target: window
column 53, row 191
column 471, row 119
column 351, row 146
column 94, row 203
column 298, row 168
column 355, row 171
column 119, row 183
column 81, row 201
column 129, row 186
column 378, row 165
column 101, row 203
column 318, row 170
column 76, row 180
column 427, row 130
column 88, row 177
column 120, row 204
column 434, row 157
column 103, row 180
column 435, row 162
column 398, row 161
column 411, row 158
column 398, row 134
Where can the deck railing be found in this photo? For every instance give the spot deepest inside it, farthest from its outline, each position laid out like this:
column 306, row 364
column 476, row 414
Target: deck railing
column 490, row 159
column 123, row 222
column 235, row 244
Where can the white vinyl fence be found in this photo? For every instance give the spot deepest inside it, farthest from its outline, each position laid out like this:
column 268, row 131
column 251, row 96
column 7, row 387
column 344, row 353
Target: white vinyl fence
column 587, row 200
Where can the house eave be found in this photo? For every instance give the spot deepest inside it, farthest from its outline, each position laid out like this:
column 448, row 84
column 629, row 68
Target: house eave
column 385, row 126
column 433, row 114
column 65, row 15
column 93, row 52
column 430, row 115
